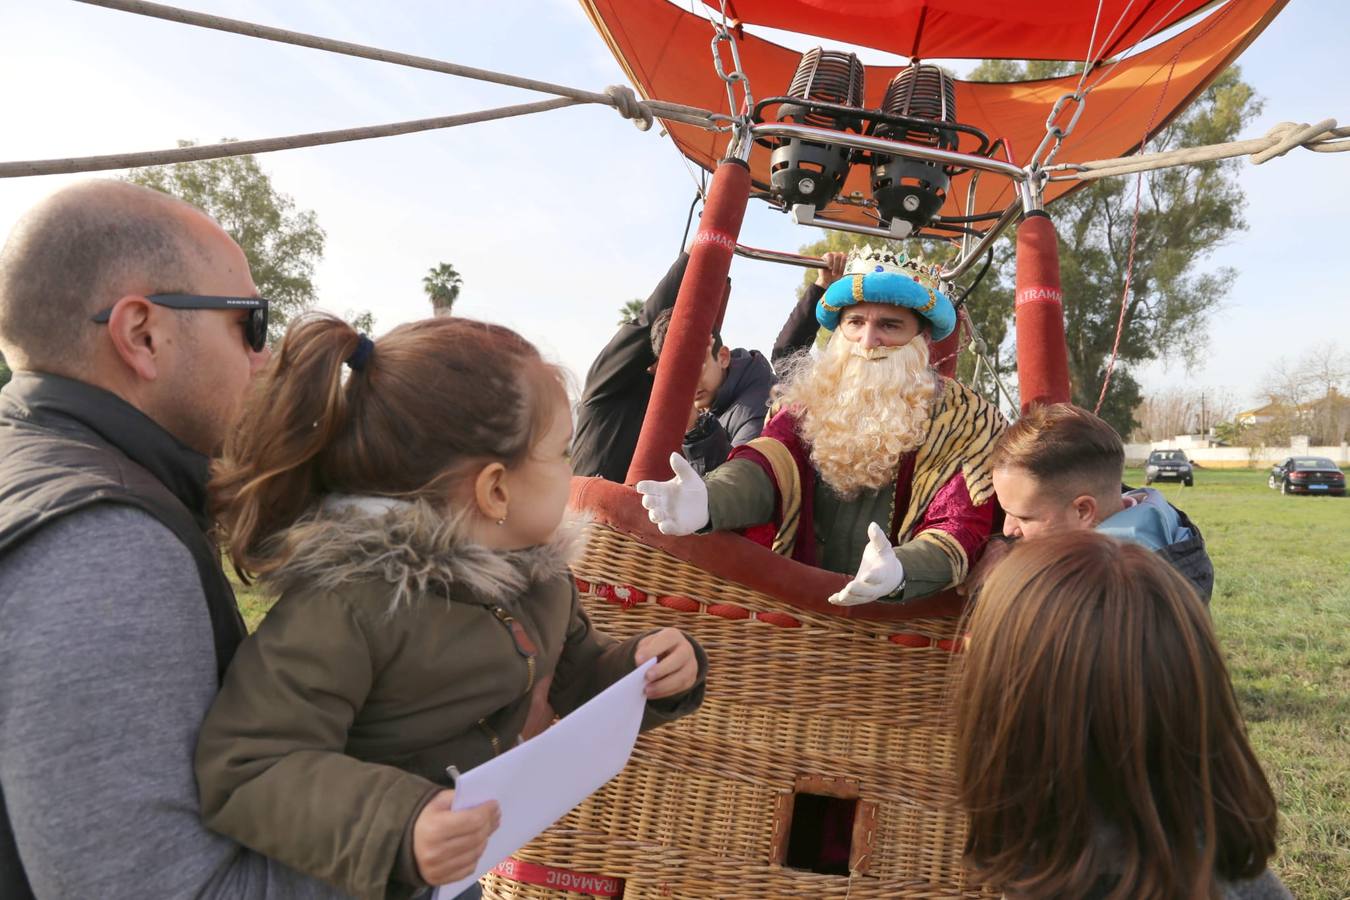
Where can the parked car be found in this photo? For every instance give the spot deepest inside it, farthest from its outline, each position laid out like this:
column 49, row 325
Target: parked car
column 1307, row 475
column 1168, row 465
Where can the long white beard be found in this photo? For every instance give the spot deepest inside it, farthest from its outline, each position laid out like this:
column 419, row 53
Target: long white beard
column 860, row 409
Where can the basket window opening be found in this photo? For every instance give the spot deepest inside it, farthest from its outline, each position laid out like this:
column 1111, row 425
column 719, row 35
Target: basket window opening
column 821, row 837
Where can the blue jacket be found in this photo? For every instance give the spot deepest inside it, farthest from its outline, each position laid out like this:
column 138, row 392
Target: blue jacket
column 1151, row 521
column 1161, row 527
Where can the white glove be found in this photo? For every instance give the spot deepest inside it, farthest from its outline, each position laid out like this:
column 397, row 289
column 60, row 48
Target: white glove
column 879, row 572
column 677, row 506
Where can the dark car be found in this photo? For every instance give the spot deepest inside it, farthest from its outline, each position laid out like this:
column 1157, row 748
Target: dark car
column 1308, row 475
column 1168, row 465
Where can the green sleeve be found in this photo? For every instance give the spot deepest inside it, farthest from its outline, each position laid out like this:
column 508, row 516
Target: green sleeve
column 740, row 494
column 270, row 762
column 927, row 570
column 591, row 661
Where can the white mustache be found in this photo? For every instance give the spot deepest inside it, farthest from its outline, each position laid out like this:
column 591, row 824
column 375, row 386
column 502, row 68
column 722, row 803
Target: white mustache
column 862, row 352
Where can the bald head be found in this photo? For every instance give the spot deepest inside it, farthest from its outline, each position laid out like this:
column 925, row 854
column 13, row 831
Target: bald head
column 80, row 250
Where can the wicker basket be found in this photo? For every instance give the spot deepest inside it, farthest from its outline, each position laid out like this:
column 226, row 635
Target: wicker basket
column 796, row 701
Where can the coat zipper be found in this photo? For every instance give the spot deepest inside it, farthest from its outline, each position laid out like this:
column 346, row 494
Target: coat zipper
column 491, row 736
column 511, row 625
column 524, row 645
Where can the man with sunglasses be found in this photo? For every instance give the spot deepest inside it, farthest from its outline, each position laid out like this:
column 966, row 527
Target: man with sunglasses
column 133, row 327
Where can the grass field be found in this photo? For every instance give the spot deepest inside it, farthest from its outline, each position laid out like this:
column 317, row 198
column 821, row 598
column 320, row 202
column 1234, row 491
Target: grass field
column 1282, row 609
column 252, row 603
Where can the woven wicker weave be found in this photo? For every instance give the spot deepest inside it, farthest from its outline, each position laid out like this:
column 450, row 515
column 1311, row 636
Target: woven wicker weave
column 791, row 694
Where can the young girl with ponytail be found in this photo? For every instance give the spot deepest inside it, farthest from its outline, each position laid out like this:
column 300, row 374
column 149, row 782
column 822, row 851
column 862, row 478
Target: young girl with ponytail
column 404, row 498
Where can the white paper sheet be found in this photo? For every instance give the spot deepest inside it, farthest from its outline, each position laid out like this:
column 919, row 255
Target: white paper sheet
column 541, row 780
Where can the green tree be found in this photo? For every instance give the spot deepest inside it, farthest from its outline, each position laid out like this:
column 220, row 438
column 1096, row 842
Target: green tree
column 283, row 244
column 1184, row 214
column 442, row 284
column 1015, row 70
column 629, row 311
column 5, row 373
column 1230, row 433
column 363, row 320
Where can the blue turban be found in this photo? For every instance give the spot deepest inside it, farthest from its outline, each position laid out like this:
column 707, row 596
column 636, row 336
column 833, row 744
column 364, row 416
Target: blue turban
column 882, row 286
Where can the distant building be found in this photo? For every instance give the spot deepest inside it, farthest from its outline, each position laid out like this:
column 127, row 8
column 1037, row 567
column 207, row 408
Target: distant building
column 1261, row 415
column 1326, row 419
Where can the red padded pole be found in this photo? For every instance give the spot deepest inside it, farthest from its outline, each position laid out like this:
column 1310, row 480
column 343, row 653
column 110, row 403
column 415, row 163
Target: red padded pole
column 1042, row 353
column 946, row 352
column 696, row 309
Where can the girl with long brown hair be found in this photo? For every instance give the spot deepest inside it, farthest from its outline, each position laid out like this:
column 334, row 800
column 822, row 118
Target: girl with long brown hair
column 404, row 497
column 1100, row 750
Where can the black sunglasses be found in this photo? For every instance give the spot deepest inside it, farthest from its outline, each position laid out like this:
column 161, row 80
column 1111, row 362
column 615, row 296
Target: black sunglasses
column 255, row 327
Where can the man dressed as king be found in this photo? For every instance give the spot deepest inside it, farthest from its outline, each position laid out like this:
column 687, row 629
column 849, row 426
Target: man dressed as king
column 874, row 465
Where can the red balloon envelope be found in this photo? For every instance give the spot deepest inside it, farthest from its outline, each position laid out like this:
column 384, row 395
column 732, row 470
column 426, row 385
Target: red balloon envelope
column 664, row 48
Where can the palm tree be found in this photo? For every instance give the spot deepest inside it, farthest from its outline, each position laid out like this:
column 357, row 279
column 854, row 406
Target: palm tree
column 442, row 284
column 629, row 311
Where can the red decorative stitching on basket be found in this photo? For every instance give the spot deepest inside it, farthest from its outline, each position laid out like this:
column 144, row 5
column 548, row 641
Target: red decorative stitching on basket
column 592, row 885
column 621, row 594
column 629, row 597
column 782, row 620
column 680, row 604
column 728, row 611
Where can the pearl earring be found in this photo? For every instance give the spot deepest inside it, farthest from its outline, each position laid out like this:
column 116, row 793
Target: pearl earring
column 502, row 520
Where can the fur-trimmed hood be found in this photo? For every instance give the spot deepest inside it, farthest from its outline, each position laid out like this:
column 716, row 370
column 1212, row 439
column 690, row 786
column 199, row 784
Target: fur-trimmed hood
column 415, row 549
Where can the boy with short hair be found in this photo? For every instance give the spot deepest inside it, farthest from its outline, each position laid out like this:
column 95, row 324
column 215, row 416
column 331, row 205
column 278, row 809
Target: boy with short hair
column 1058, row 468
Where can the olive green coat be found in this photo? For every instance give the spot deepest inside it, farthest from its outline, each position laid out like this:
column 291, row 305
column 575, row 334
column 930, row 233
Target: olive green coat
column 395, row 650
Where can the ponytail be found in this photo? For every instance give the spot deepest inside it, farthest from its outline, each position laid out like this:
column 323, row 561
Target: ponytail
column 417, row 411
column 268, row 475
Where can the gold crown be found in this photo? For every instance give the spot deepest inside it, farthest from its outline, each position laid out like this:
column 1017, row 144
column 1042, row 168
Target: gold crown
column 866, row 260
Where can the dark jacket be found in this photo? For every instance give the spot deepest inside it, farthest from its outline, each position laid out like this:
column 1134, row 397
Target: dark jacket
column 66, row 446
column 618, row 386
column 397, row 648
column 736, row 415
column 801, row 327
column 1189, row 557
column 1160, row 526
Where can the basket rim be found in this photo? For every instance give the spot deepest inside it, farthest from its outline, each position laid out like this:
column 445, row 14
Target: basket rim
column 735, row 558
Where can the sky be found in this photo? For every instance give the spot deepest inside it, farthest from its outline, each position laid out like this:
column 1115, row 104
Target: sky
column 556, row 220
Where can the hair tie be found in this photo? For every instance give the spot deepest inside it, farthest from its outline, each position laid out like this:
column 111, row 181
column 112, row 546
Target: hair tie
column 361, row 355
